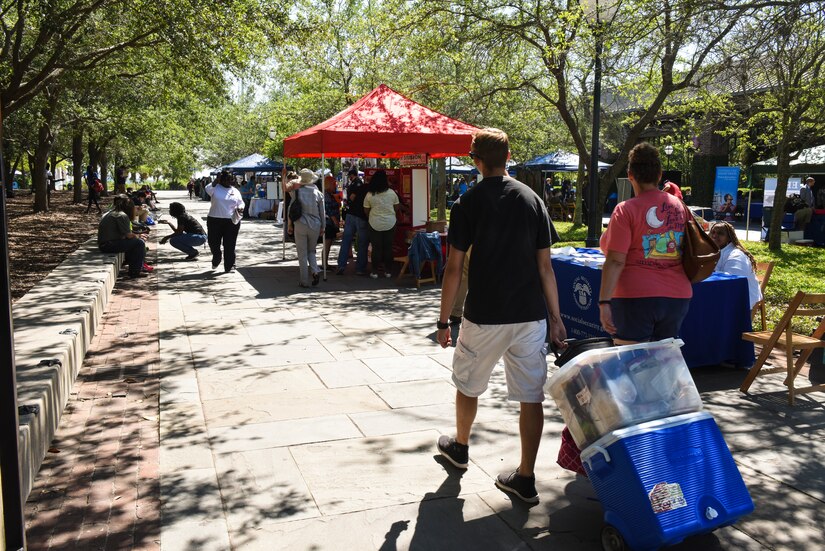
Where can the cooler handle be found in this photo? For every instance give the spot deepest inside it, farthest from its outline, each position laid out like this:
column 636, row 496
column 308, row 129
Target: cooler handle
column 601, row 450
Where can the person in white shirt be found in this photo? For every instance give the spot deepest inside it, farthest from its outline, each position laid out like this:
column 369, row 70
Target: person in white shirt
column 223, row 221
column 735, row 259
column 381, row 205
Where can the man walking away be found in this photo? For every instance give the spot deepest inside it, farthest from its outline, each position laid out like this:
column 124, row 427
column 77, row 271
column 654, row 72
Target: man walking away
column 511, row 289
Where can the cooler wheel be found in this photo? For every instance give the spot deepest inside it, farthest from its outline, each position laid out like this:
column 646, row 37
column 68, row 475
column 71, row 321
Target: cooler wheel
column 612, row 539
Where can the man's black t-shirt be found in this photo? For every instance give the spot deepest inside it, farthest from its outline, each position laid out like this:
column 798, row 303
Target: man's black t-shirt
column 356, row 206
column 189, row 225
column 506, row 223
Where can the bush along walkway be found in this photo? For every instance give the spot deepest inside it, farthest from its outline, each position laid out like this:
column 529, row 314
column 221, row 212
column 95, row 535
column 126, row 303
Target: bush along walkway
column 98, row 487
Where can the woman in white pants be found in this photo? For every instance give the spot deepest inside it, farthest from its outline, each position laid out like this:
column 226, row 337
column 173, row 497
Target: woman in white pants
column 308, row 227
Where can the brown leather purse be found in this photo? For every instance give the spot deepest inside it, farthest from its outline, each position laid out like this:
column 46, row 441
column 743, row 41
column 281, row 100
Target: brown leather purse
column 699, row 252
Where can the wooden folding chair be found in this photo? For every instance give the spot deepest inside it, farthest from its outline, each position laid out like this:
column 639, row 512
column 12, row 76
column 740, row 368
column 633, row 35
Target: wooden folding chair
column 802, row 305
column 763, row 274
column 570, row 211
column 556, row 211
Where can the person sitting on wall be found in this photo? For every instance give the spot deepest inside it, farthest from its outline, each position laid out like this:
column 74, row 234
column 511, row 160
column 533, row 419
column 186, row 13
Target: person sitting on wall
column 114, row 235
column 187, row 235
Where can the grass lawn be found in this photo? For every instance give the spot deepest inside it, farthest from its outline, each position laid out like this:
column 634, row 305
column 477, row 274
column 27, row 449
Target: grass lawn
column 795, row 269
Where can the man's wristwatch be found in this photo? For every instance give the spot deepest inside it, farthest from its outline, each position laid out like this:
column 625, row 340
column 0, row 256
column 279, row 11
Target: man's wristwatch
column 442, row 324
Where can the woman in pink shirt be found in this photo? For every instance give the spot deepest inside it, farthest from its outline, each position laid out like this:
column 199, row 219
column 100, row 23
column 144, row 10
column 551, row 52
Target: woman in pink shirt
column 645, row 293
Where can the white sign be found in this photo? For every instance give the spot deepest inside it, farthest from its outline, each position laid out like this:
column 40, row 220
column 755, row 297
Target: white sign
column 794, row 185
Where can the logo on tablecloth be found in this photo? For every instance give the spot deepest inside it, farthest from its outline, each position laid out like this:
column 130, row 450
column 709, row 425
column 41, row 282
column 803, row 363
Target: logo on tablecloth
column 582, row 293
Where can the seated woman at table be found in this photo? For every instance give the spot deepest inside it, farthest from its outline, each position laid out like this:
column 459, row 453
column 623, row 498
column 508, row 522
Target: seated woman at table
column 735, row 259
column 645, row 293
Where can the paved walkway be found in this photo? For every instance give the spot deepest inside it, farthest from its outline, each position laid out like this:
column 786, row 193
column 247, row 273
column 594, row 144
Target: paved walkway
column 99, row 487
column 307, row 419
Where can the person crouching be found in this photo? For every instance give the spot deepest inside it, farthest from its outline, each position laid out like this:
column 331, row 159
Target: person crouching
column 187, row 235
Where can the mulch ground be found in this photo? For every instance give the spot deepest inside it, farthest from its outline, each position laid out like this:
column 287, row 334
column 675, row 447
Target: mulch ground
column 39, row 242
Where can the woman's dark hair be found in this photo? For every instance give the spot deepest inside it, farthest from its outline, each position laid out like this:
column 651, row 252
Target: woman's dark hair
column 176, row 209
column 728, row 195
column 644, row 163
column 226, row 178
column 122, row 203
column 379, row 182
column 728, row 230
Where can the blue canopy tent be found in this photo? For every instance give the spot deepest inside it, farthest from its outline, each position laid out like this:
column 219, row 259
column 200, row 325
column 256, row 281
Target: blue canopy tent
column 254, row 163
column 559, row 161
column 456, row 166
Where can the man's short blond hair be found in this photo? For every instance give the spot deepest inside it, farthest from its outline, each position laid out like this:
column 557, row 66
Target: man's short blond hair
column 492, row 146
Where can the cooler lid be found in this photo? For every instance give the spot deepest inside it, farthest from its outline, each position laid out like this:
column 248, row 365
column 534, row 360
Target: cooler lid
column 643, row 428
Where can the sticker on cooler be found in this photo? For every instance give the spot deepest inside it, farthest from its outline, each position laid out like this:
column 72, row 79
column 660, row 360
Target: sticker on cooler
column 583, row 396
column 666, row 497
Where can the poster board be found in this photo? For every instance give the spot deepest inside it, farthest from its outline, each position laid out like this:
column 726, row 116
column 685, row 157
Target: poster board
column 725, row 187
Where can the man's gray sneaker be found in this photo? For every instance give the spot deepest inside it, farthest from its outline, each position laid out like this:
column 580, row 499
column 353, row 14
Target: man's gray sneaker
column 523, row 487
column 457, row 454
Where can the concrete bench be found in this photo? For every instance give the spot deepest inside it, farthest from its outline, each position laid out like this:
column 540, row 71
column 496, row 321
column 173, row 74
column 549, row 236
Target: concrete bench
column 53, row 327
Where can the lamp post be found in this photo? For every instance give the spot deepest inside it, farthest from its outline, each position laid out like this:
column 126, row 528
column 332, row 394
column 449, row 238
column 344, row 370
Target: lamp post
column 598, row 13
column 668, row 153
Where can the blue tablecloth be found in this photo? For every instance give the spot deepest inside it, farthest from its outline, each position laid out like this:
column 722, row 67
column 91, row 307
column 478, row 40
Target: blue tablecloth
column 719, row 313
column 816, row 229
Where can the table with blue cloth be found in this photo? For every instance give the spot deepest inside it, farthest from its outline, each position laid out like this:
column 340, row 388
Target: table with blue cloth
column 815, row 230
column 718, row 315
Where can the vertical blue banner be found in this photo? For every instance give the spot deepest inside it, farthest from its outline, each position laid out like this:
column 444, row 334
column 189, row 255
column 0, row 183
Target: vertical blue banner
column 724, row 192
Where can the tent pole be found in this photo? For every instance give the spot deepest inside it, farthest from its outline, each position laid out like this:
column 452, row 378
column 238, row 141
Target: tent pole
column 748, row 212
column 323, row 220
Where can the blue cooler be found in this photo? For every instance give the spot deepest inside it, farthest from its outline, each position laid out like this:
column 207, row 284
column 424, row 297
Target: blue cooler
column 662, row 481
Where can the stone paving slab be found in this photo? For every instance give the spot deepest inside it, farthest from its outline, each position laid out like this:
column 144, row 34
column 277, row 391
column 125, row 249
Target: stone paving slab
column 295, row 404
column 345, row 373
column 364, row 473
column 281, row 433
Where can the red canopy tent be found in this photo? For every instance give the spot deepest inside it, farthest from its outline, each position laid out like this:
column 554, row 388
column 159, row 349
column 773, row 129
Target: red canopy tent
column 383, row 124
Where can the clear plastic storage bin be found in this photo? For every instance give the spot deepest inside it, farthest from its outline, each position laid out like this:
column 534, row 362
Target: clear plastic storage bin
column 603, row 390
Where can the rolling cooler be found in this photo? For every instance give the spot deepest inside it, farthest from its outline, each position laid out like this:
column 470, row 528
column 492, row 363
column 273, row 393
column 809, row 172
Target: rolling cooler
column 662, row 481
column 658, row 463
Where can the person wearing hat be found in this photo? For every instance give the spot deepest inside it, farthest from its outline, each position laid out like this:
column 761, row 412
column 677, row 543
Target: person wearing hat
column 355, row 225
column 187, row 235
column 309, row 227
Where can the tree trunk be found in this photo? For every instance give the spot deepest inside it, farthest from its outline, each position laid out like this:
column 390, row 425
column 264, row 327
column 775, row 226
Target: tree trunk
column 77, row 164
column 441, row 187
column 783, row 172
column 41, row 158
column 104, row 170
column 94, row 153
column 578, row 215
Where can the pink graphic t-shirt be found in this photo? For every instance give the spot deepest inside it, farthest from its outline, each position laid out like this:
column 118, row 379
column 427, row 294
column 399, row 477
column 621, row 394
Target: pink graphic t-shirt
column 649, row 230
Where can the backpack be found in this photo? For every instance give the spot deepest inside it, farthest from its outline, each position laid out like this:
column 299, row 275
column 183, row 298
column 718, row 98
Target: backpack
column 295, row 208
column 97, row 186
